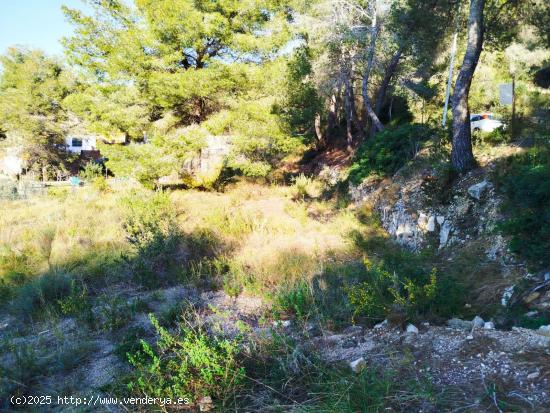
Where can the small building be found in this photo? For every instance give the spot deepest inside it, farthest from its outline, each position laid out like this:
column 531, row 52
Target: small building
column 77, row 144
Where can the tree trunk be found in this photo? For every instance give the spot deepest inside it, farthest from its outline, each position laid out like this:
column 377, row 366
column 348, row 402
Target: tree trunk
column 390, row 70
column 332, row 117
column 319, row 132
column 348, row 107
column 367, row 107
column 462, row 157
column 382, row 91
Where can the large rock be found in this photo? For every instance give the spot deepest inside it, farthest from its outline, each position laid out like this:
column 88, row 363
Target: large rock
column 476, row 191
column 460, row 324
column 489, row 325
column 209, row 160
column 478, row 322
column 544, row 330
column 411, row 329
column 381, row 325
column 431, row 224
column 444, row 233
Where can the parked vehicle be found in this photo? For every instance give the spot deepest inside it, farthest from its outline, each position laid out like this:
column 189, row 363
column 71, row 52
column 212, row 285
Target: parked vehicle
column 486, row 122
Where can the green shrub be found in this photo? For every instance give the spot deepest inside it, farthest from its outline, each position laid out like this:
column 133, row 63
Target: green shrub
column 130, row 343
column 497, row 137
column 91, row 171
column 77, row 303
column 297, row 300
column 42, row 293
column 524, row 180
column 371, row 390
column 152, row 231
column 189, row 364
column 383, row 291
column 389, row 150
column 115, row 311
column 305, row 187
column 100, row 184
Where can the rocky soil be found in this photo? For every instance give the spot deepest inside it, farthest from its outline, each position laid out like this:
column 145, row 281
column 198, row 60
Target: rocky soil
column 453, row 217
column 465, row 357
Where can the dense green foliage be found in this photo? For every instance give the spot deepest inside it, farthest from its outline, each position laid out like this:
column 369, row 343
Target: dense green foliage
column 32, row 92
column 302, row 102
column 383, row 291
column 152, row 232
column 151, row 57
column 524, row 179
column 389, row 150
column 188, row 364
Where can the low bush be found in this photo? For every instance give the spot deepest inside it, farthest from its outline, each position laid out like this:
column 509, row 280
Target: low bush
column 371, row 390
column 91, row 171
column 297, row 300
column 524, row 180
column 188, row 364
column 151, row 229
column 382, row 292
column 497, row 137
column 42, row 293
column 305, row 187
column 77, row 303
column 390, row 150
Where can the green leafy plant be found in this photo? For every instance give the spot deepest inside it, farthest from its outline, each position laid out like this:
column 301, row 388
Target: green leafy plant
column 389, row 150
column 497, row 137
column 305, row 187
column 77, row 303
column 297, row 300
column 382, row 291
column 188, row 364
column 91, row 171
column 524, row 180
column 152, row 231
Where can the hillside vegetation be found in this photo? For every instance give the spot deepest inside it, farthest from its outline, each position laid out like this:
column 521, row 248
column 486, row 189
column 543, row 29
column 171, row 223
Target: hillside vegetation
column 274, row 216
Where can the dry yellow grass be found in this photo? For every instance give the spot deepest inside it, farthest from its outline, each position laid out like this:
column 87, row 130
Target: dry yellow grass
column 275, row 239
column 268, row 237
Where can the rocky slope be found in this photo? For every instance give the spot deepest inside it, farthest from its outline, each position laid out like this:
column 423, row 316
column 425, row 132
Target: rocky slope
column 421, row 207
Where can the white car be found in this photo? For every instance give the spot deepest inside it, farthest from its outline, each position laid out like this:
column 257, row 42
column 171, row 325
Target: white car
column 485, row 123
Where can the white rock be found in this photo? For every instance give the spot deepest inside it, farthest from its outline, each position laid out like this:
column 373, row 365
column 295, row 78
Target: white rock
column 489, row 325
column 547, row 276
column 422, row 220
column 478, row 322
column 431, row 224
column 477, row 190
column 358, row 365
column 444, row 234
column 282, row 323
column 508, row 292
column 412, row 329
column 383, row 324
column 205, row 404
column 533, row 375
column 440, row 219
column 469, row 337
column 544, row 330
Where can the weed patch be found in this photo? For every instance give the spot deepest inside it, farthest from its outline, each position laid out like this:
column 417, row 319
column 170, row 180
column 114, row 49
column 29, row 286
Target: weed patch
column 189, row 364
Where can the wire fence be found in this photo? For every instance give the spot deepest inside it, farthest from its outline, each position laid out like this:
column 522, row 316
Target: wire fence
column 15, row 190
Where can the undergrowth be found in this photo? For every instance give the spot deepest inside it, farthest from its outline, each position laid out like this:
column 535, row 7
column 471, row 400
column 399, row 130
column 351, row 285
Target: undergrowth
column 189, row 364
column 524, row 180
